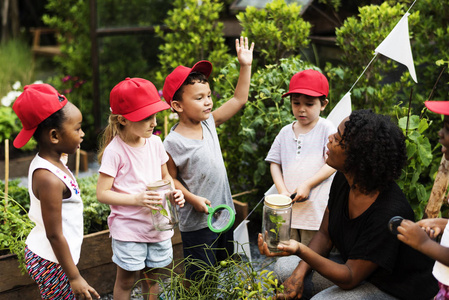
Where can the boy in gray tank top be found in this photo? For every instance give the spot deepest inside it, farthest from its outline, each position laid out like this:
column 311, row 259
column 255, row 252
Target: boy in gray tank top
column 195, row 158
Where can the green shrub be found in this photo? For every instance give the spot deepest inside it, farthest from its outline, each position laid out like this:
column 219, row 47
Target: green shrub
column 194, row 34
column 278, row 30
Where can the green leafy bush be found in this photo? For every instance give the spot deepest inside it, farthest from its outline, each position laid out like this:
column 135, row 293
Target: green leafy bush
column 278, row 30
column 95, row 213
column 195, row 34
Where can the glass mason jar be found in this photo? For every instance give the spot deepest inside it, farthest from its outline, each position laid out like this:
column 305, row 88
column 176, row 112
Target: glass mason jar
column 166, row 218
column 276, row 222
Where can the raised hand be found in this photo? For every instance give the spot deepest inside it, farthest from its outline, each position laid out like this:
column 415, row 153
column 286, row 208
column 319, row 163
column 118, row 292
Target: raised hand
column 244, row 51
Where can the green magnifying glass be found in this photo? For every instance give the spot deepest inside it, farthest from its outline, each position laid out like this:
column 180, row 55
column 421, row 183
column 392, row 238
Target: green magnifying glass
column 221, row 218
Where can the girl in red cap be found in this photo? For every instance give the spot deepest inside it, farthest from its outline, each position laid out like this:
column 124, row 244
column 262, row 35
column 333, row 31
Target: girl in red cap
column 131, row 158
column 412, row 233
column 53, row 246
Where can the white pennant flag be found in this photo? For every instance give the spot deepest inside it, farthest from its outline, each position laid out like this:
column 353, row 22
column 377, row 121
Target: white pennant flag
column 341, row 110
column 397, row 46
column 241, row 239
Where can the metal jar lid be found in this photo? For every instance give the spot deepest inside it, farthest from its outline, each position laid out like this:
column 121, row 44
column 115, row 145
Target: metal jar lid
column 278, row 201
column 157, row 185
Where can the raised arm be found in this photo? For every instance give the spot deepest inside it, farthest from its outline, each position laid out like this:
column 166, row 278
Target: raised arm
column 233, row 105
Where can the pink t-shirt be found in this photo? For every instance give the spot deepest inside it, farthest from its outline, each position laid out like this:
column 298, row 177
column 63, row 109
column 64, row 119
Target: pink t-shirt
column 133, row 168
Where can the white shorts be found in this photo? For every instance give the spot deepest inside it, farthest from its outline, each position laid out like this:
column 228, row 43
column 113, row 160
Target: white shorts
column 132, row 256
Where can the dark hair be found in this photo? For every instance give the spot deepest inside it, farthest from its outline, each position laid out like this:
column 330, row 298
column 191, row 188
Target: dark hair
column 375, row 149
column 322, row 98
column 193, row 78
column 54, row 121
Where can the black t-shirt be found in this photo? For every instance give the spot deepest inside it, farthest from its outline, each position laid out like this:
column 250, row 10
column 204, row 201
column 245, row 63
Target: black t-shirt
column 403, row 272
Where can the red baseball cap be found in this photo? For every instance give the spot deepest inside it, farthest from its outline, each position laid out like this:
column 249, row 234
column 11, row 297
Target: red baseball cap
column 34, row 105
column 439, row 107
column 308, row 82
column 136, row 99
column 176, row 78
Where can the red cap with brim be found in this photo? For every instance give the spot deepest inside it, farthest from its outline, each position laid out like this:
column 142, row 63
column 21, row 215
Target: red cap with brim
column 34, row 105
column 136, row 99
column 308, row 82
column 176, row 78
column 439, row 107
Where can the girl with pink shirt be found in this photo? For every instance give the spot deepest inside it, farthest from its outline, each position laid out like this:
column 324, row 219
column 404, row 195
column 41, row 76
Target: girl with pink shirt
column 131, row 157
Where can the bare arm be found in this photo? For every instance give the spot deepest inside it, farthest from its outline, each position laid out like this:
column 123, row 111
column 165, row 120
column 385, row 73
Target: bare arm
column 199, row 203
column 413, row 235
column 233, row 105
column 50, row 190
column 303, row 190
column 107, row 196
column 346, row 276
column 278, row 179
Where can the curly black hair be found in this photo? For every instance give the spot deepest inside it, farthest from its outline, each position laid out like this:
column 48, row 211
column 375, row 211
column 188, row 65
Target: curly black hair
column 193, row 78
column 53, row 121
column 375, row 149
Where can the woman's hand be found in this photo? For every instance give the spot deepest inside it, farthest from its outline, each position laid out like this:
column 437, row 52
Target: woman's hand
column 292, row 248
column 179, row 197
column 293, row 288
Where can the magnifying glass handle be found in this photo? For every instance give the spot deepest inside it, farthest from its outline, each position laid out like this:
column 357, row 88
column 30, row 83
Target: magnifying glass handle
column 209, row 209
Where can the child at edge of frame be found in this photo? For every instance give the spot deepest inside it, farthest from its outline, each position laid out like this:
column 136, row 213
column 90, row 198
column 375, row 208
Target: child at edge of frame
column 297, row 156
column 422, row 234
column 195, row 159
column 131, row 157
column 53, row 246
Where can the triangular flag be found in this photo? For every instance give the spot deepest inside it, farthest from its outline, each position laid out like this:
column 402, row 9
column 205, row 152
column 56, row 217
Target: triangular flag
column 397, row 46
column 341, row 110
column 241, row 238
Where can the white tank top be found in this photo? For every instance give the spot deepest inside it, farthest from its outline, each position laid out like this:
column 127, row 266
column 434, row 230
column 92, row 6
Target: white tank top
column 72, row 215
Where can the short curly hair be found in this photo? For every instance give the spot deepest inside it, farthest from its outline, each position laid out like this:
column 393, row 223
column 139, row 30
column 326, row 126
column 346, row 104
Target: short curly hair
column 375, row 149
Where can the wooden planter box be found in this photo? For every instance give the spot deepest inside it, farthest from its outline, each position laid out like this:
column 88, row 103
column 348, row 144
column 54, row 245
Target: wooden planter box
column 95, row 264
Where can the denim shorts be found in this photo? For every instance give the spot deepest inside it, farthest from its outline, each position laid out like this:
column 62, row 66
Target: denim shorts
column 133, row 256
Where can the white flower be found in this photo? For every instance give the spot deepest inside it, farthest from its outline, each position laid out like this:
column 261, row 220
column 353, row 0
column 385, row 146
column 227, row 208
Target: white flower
column 10, row 97
column 16, row 85
column 173, row 116
column 38, row 82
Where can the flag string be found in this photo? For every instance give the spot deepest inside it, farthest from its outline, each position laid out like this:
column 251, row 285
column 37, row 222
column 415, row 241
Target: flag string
column 376, row 54
column 362, row 73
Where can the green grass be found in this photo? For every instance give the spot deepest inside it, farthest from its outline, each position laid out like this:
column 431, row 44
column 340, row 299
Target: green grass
column 17, row 64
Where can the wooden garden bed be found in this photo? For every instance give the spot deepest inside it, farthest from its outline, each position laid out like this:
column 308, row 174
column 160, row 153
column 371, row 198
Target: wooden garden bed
column 95, row 264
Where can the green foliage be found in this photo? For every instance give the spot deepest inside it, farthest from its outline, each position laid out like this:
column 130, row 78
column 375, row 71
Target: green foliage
column 228, row 280
column 278, row 30
column 246, row 138
column 381, row 87
column 15, row 225
column 16, row 64
column 194, row 34
column 71, row 19
column 416, row 180
column 95, row 213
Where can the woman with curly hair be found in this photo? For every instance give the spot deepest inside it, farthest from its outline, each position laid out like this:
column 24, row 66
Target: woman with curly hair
column 368, row 151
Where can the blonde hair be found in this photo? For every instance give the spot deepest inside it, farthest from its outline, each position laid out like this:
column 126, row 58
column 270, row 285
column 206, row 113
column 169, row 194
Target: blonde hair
column 114, row 128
